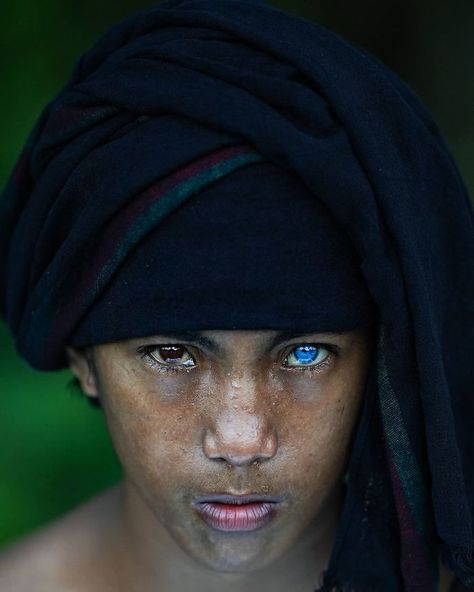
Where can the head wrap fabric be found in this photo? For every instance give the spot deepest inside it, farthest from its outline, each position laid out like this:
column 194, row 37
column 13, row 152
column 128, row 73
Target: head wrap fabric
column 191, row 79
column 253, row 250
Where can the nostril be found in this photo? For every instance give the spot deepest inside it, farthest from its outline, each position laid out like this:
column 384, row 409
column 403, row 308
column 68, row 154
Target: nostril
column 220, row 459
column 238, row 462
column 235, row 455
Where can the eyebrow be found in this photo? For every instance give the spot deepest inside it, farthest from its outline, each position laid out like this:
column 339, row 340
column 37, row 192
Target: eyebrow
column 287, row 335
column 211, row 345
column 196, row 338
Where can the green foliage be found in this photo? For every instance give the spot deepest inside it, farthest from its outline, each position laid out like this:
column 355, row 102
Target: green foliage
column 55, row 451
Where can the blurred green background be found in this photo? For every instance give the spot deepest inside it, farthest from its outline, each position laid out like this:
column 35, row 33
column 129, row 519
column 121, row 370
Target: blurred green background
column 54, row 449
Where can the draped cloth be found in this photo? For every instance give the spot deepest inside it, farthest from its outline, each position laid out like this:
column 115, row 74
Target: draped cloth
column 252, row 250
column 182, row 94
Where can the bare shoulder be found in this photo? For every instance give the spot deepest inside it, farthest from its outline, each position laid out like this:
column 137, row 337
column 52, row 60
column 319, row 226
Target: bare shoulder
column 57, row 557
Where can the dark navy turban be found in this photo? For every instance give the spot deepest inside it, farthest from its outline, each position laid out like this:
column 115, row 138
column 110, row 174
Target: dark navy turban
column 253, row 250
column 183, row 105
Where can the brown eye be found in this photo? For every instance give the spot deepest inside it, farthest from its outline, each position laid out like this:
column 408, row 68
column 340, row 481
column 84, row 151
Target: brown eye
column 171, row 353
column 167, row 355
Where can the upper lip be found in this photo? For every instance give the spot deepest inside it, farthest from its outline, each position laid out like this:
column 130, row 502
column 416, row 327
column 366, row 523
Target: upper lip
column 227, row 498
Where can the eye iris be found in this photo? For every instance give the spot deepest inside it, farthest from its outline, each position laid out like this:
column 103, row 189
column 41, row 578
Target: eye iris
column 171, row 353
column 306, row 354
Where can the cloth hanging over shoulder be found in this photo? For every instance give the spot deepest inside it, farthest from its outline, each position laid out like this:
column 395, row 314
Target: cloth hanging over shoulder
column 207, row 86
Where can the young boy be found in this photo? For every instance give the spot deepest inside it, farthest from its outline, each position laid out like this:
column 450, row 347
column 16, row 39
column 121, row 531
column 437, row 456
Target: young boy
column 248, row 242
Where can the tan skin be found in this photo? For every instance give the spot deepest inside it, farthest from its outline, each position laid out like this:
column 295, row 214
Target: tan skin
column 236, row 412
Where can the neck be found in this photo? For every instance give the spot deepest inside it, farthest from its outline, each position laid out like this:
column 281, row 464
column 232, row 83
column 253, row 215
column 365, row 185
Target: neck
column 150, row 559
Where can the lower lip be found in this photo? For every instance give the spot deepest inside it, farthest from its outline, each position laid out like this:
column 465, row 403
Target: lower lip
column 237, row 518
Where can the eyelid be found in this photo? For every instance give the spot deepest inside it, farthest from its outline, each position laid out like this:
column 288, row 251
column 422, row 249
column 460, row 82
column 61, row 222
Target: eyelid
column 332, row 347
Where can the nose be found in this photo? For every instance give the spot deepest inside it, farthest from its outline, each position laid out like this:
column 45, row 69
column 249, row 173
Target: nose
column 241, row 432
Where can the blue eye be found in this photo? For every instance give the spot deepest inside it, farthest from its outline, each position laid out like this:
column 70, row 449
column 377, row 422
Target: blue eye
column 308, row 355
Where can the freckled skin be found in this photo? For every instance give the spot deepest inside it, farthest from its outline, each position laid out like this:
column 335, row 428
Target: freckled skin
column 238, row 422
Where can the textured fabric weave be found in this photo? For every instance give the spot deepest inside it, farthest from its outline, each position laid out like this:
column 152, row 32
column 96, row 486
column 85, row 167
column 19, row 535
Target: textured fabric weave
column 252, row 250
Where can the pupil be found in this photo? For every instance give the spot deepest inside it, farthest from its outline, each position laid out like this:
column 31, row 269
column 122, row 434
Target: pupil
column 306, row 354
column 171, row 353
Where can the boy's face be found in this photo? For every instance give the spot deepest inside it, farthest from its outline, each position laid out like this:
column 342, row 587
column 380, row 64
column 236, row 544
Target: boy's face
column 238, row 413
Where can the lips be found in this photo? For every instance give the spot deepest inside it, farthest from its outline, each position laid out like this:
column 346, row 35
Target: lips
column 230, row 513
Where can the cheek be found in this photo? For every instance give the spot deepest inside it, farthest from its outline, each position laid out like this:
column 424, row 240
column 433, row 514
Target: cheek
column 318, row 435
column 155, row 441
column 157, row 426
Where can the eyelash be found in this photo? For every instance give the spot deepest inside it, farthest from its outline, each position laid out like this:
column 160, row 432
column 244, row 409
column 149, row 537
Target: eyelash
column 146, row 350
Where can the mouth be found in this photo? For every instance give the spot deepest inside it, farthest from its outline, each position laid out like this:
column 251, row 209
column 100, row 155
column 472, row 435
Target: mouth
column 236, row 513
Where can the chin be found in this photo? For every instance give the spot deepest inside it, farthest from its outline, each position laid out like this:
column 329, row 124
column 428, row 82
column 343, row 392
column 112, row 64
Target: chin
column 240, row 553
